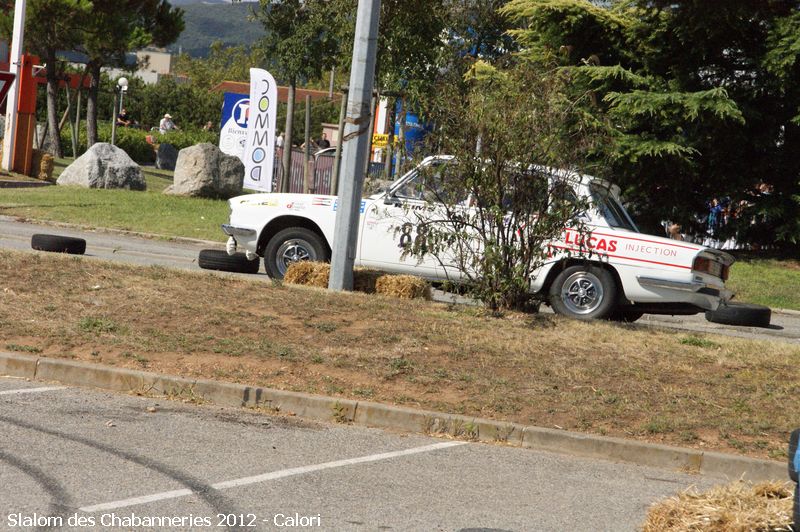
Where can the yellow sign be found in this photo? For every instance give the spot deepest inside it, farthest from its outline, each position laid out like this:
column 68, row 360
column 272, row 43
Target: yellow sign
column 380, row 140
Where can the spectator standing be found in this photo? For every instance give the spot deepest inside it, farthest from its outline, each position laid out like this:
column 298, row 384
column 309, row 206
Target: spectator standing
column 279, row 140
column 167, row 124
column 323, row 142
column 209, row 126
column 714, row 214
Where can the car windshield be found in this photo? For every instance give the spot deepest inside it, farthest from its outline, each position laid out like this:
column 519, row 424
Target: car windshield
column 611, row 209
column 433, row 183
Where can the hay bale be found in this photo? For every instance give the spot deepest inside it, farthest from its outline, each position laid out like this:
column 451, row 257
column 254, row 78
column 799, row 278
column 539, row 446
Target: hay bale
column 299, row 273
column 736, row 507
column 42, row 165
column 320, row 276
column 403, row 286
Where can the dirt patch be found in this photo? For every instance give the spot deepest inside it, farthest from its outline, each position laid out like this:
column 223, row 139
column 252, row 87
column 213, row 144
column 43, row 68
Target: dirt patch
column 719, row 393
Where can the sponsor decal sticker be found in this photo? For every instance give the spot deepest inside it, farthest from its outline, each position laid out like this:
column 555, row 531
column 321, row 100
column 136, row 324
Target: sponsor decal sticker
column 361, row 210
column 321, row 202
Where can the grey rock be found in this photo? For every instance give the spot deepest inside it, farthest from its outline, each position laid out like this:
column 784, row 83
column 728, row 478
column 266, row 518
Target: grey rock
column 166, row 157
column 104, row 166
column 204, row 171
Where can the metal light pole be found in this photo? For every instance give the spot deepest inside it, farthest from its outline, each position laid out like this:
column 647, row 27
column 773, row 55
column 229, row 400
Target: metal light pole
column 13, row 93
column 355, row 144
column 122, row 86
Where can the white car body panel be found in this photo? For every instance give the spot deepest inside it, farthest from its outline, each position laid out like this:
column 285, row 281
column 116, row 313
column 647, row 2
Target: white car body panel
column 651, row 269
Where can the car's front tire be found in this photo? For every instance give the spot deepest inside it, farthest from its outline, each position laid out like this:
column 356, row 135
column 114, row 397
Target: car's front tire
column 290, row 245
column 584, row 292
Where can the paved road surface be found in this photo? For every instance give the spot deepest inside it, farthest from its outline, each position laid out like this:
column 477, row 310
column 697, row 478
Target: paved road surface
column 183, row 254
column 71, row 452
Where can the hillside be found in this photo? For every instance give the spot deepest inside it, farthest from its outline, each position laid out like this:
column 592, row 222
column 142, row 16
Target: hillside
column 220, row 20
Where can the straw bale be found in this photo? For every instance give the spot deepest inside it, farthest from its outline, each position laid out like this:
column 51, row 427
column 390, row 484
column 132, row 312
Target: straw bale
column 403, row 286
column 320, row 276
column 299, row 272
column 735, row 507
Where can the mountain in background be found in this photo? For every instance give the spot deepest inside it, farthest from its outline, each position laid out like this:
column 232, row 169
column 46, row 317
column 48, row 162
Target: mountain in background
column 215, row 20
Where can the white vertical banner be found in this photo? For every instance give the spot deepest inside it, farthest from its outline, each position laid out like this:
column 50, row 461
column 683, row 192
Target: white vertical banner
column 259, row 153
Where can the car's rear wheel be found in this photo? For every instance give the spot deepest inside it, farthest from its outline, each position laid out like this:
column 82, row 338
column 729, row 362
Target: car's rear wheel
column 584, row 293
column 291, row 245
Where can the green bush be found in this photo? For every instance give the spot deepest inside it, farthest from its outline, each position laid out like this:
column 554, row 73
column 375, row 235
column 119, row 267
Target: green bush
column 134, row 141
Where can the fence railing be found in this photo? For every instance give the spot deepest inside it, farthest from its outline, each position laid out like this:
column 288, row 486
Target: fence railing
column 321, row 168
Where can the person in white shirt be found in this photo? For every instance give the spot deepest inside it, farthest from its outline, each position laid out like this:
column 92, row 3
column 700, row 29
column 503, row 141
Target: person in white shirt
column 167, row 124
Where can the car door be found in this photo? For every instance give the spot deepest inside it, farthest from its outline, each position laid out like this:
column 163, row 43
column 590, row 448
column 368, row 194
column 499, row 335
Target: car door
column 392, row 224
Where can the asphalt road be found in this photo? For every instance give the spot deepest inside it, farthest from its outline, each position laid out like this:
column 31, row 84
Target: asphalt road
column 183, row 254
column 86, row 456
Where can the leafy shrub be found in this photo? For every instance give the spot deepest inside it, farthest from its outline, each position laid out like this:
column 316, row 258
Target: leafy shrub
column 134, row 141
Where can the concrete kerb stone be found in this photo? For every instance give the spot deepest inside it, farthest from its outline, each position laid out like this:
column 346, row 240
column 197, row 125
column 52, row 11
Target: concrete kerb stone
column 13, row 365
column 588, row 445
column 734, row 467
column 378, row 415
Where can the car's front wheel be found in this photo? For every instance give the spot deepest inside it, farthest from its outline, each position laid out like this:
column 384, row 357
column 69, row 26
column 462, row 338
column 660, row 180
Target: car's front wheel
column 584, row 292
column 291, row 245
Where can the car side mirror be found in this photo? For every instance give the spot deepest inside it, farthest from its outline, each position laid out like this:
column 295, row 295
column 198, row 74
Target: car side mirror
column 392, row 200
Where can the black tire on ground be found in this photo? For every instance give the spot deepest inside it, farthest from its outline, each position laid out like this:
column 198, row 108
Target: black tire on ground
column 745, row 314
column 584, row 292
column 59, row 244
column 212, row 259
column 293, row 244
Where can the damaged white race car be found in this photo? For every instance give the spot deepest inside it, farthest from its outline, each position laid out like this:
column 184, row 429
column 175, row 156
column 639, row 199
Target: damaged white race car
column 626, row 274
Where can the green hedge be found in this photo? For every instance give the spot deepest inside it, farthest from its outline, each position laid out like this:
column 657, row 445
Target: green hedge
column 134, row 141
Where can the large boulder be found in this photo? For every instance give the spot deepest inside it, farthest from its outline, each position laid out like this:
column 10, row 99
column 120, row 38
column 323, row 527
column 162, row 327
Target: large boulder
column 204, row 171
column 166, row 156
column 104, row 166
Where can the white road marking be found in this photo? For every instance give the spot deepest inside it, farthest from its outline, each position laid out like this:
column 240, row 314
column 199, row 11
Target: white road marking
column 32, row 390
column 274, row 475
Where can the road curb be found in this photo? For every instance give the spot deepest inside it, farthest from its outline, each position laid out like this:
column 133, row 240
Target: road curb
column 18, row 365
column 786, row 311
column 369, row 414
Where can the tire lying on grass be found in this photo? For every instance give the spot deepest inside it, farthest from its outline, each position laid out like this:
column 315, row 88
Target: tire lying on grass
column 58, row 244
column 745, row 314
column 212, row 259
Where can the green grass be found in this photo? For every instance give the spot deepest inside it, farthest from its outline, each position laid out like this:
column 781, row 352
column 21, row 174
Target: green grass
column 767, row 282
column 145, row 212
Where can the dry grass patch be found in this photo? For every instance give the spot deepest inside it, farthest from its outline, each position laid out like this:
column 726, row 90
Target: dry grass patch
column 367, row 281
column 736, row 507
column 723, row 393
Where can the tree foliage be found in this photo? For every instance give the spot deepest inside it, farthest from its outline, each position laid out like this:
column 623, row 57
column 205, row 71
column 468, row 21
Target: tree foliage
column 300, row 43
column 223, row 63
column 498, row 203
column 703, row 96
column 114, row 28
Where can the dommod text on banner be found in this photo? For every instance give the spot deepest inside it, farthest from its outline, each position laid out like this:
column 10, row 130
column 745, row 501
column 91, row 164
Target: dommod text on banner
column 259, row 155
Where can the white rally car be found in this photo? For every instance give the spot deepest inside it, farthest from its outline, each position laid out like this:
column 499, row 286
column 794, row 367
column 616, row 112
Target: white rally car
column 625, row 274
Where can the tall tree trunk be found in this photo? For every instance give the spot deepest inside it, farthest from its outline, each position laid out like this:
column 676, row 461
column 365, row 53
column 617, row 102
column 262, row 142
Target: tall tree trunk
column 91, row 104
column 52, row 104
column 287, row 142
